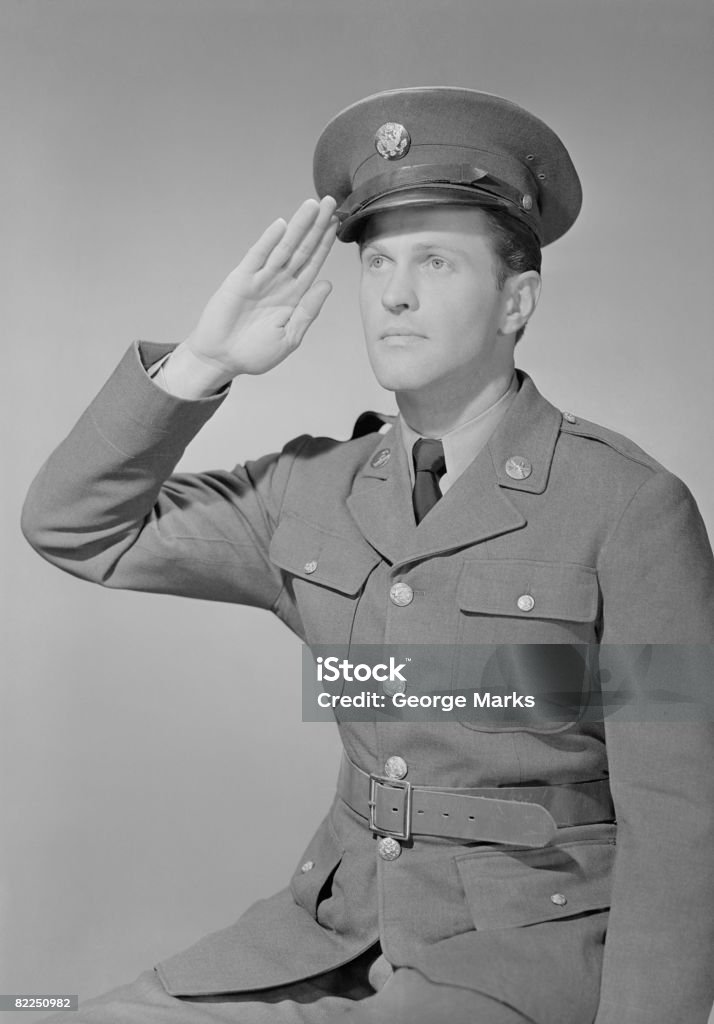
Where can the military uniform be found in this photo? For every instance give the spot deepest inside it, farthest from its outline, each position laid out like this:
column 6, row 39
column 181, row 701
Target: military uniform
column 559, row 534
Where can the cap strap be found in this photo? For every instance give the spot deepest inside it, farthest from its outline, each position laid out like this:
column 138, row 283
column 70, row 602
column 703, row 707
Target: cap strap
column 462, row 177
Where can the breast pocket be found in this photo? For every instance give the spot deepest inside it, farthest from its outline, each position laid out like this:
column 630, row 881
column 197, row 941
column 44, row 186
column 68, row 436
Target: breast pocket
column 326, row 574
column 523, row 659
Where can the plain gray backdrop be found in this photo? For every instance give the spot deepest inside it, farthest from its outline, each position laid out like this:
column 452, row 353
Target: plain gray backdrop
column 157, row 777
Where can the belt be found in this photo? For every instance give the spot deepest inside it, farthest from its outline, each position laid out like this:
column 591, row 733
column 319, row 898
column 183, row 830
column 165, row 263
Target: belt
column 517, row 815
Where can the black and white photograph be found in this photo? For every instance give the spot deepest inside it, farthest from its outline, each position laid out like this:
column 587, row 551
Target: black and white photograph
column 358, row 589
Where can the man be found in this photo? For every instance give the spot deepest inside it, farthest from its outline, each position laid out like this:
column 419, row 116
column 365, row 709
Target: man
column 466, row 868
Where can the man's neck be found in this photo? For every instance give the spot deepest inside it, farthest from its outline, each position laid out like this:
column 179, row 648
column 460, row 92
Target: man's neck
column 436, row 411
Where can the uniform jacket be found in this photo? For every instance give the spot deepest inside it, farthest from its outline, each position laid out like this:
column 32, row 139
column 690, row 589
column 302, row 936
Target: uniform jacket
column 612, row 550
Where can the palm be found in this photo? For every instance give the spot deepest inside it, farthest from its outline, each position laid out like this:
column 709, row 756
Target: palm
column 263, row 308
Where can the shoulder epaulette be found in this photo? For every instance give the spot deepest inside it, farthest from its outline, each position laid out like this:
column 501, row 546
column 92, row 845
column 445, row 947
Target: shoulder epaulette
column 595, row 432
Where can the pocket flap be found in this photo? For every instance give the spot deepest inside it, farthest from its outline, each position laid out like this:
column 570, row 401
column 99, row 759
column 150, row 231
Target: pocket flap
column 507, row 889
column 313, row 554
column 317, row 864
column 535, row 590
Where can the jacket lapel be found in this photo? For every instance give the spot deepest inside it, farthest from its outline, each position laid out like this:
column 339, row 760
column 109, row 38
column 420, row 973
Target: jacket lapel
column 477, row 507
column 381, row 497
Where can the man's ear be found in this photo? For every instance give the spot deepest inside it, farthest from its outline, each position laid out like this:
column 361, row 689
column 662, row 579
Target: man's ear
column 522, row 292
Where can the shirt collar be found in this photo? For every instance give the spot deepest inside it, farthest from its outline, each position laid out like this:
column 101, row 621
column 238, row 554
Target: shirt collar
column 463, row 443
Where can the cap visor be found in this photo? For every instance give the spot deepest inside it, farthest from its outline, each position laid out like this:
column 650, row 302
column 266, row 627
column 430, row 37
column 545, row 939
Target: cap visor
column 426, row 195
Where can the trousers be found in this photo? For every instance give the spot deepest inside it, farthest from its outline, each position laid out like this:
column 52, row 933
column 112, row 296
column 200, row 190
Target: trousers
column 366, row 991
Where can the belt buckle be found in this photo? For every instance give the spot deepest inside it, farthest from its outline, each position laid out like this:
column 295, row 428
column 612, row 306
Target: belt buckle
column 382, row 780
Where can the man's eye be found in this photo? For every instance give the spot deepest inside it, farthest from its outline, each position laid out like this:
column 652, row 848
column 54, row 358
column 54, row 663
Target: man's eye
column 376, row 262
column 437, row 262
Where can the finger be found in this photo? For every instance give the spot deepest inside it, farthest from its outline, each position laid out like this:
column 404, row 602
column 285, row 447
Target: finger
column 299, row 227
column 258, row 253
column 311, row 268
column 306, row 311
column 312, row 239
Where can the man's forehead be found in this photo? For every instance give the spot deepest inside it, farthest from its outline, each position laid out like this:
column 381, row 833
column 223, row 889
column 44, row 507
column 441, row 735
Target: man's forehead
column 454, row 226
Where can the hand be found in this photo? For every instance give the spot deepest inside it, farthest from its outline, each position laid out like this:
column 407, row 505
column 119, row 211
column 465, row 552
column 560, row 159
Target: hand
column 262, row 310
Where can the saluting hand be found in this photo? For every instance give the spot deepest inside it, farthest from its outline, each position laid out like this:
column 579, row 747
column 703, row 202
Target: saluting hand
column 262, row 310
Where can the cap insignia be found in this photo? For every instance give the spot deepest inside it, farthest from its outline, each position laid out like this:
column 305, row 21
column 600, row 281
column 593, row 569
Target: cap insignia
column 392, row 141
column 381, row 458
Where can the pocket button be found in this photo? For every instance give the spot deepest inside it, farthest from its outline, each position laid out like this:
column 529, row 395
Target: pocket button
column 392, row 686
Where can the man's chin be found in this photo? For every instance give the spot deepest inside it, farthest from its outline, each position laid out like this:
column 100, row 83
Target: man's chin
column 394, row 377
column 401, row 382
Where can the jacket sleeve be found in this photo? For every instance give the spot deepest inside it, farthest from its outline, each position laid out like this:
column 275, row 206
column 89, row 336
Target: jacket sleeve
column 104, row 506
column 657, row 580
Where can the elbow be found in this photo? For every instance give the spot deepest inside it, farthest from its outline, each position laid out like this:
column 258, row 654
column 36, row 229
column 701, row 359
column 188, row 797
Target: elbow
column 87, row 552
column 34, row 526
column 39, row 532
column 44, row 530
column 65, row 549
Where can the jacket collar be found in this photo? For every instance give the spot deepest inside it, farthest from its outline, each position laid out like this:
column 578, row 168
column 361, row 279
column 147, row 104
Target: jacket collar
column 478, row 506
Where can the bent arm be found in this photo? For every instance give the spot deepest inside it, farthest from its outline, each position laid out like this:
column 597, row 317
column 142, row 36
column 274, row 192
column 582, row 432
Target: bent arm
column 102, row 507
column 106, row 508
column 657, row 580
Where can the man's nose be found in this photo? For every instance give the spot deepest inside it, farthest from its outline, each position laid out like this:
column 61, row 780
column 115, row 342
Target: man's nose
column 399, row 291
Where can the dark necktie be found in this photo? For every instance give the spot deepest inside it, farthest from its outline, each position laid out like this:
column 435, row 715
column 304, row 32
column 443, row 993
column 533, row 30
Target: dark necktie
column 429, row 466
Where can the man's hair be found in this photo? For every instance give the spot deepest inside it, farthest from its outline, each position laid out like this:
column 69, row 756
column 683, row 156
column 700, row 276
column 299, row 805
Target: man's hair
column 515, row 247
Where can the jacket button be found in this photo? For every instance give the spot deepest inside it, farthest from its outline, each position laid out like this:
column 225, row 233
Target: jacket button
column 389, row 848
column 526, row 603
column 395, row 767
column 307, row 866
column 401, row 594
column 569, row 418
column 309, row 567
column 559, row 899
column 392, row 686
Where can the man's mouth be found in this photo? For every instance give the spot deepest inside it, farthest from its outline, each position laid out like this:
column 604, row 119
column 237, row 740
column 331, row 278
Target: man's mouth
column 400, row 332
